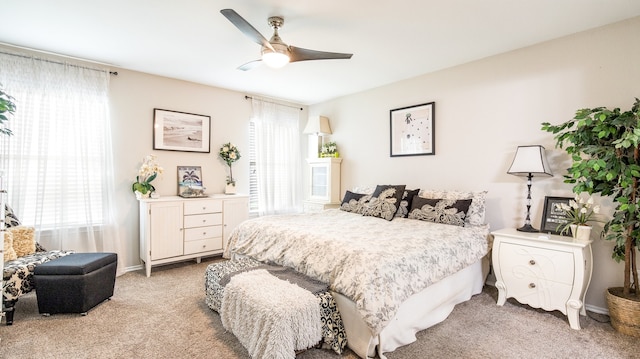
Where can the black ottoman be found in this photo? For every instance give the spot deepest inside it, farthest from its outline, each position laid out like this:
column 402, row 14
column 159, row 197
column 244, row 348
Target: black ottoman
column 75, row 283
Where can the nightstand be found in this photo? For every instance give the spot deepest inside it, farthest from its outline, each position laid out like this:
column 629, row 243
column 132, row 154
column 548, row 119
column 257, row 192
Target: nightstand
column 544, row 271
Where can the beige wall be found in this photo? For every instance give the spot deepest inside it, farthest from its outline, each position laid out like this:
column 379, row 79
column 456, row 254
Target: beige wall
column 484, row 110
column 134, row 95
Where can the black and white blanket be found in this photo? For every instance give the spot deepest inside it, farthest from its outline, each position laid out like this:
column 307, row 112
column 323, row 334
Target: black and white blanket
column 377, row 264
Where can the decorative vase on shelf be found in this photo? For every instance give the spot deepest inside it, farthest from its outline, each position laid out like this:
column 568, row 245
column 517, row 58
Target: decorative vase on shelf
column 580, row 233
column 230, row 189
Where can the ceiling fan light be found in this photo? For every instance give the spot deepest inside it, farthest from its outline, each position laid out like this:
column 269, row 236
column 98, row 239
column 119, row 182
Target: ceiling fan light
column 275, row 60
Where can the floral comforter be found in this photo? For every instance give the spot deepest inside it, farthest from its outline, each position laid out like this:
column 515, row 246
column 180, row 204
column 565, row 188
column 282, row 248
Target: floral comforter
column 376, row 263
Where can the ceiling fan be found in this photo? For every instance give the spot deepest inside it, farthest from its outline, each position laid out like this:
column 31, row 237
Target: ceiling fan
column 275, row 53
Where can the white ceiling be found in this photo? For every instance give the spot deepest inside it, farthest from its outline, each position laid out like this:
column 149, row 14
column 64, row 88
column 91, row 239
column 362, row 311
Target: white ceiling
column 390, row 40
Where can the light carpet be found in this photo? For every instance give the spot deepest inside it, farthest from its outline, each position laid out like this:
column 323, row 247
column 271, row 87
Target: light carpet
column 165, row 316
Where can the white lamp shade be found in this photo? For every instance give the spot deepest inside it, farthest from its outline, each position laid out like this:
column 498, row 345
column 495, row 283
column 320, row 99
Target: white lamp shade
column 530, row 160
column 317, row 125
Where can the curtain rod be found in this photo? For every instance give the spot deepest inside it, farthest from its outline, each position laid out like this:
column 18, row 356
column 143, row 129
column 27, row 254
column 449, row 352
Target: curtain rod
column 250, row 98
column 115, row 73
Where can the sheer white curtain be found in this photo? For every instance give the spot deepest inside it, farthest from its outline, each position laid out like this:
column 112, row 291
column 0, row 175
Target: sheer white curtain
column 277, row 156
column 59, row 160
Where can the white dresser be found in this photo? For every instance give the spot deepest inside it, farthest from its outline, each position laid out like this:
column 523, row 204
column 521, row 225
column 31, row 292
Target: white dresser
column 175, row 228
column 544, row 271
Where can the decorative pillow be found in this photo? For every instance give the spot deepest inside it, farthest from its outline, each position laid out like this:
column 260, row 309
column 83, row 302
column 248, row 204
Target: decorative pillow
column 445, row 211
column 40, row 248
column 10, row 219
column 364, row 189
column 405, row 202
column 23, row 240
column 475, row 215
column 354, row 202
column 384, row 201
column 9, row 252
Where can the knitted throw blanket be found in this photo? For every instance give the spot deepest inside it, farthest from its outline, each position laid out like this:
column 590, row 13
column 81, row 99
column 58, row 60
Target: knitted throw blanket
column 273, row 319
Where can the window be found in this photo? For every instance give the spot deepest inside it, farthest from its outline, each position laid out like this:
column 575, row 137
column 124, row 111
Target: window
column 274, row 147
column 58, row 163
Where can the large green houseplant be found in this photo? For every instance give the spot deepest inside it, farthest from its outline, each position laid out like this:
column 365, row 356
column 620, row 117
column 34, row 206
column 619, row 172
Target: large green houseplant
column 7, row 108
column 604, row 146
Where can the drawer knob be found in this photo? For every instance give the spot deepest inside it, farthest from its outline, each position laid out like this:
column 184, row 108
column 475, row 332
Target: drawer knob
column 532, row 285
column 204, row 246
column 204, row 207
column 204, row 221
column 532, row 262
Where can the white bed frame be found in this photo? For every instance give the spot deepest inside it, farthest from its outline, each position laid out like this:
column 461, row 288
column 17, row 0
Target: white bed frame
column 421, row 311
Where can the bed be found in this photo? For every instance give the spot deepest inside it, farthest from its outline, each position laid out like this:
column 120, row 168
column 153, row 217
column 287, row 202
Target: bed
column 390, row 276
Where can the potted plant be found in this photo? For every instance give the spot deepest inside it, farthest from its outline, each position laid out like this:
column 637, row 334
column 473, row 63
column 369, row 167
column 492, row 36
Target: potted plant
column 329, row 149
column 579, row 213
column 149, row 170
column 604, row 146
column 7, row 108
column 229, row 154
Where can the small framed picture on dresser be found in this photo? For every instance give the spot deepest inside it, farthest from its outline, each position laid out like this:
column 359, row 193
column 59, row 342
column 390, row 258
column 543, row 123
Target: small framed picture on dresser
column 553, row 217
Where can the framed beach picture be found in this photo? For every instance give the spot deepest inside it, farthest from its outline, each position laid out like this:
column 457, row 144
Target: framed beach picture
column 181, row 131
column 413, row 130
column 190, row 182
column 553, row 217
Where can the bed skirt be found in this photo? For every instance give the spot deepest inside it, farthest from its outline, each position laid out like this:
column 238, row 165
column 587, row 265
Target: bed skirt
column 421, row 311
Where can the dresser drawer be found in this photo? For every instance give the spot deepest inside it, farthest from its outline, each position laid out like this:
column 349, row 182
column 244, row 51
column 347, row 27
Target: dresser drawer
column 203, row 245
column 193, row 234
column 525, row 263
column 202, row 220
column 202, row 206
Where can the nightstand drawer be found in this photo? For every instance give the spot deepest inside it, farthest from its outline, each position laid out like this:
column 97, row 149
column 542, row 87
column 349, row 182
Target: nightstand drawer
column 203, row 245
column 192, row 234
column 525, row 263
column 202, row 220
column 539, row 293
column 202, row 206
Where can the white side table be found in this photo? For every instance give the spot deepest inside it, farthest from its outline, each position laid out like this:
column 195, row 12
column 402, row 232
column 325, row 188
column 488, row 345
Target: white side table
column 544, row 271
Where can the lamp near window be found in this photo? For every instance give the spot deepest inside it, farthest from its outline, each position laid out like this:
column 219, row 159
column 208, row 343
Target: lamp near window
column 529, row 161
column 318, row 126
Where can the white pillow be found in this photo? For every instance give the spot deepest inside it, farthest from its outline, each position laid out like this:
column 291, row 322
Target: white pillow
column 368, row 189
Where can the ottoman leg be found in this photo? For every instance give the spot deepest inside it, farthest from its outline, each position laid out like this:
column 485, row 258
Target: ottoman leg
column 9, row 309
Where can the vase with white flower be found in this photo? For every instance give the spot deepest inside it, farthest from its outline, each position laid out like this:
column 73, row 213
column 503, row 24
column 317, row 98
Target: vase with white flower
column 229, row 154
column 579, row 212
column 149, row 170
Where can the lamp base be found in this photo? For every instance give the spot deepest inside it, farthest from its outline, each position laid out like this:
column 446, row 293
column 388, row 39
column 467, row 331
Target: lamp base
column 528, row 228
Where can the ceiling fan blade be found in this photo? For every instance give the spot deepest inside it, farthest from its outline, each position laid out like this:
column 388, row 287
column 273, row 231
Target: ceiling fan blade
column 250, row 65
column 246, row 28
column 300, row 54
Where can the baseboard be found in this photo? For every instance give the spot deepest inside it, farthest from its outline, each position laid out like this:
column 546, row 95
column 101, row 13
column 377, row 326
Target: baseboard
column 133, row 268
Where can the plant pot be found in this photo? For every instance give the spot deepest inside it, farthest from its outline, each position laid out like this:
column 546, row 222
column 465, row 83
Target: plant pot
column 140, row 195
column 580, row 233
column 230, row 189
column 624, row 312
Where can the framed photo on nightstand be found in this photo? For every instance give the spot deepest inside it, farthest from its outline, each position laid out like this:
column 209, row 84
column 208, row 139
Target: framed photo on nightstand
column 553, row 217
